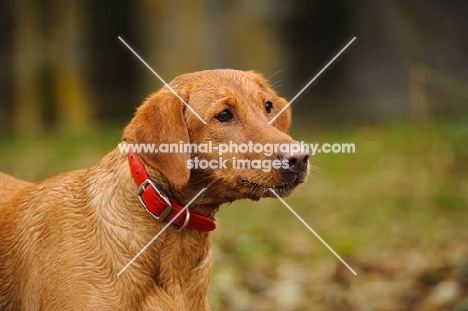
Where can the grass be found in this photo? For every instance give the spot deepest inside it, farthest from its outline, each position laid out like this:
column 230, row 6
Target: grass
column 402, row 195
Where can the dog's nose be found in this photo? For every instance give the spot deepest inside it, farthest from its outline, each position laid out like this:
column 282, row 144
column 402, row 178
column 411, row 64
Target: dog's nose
column 297, row 161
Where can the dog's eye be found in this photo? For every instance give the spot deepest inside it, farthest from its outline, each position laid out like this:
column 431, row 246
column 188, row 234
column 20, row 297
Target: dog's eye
column 224, row 116
column 268, row 106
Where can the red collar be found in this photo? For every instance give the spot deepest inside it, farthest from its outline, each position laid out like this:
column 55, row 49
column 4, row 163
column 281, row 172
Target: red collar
column 159, row 205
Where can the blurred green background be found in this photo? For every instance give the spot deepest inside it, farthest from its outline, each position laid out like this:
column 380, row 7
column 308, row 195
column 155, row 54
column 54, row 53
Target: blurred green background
column 396, row 210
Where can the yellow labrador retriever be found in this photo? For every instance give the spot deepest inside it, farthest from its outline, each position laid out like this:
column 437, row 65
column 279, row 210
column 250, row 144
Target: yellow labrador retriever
column 65, row 241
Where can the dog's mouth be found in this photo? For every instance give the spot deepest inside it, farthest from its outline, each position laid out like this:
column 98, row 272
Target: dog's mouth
column 257, row 190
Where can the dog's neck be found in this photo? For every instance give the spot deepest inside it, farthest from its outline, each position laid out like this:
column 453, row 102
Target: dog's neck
column 186, row 194
column 179, row 262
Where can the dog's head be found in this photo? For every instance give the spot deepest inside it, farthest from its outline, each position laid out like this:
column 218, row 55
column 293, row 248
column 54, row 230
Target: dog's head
column 238, row 153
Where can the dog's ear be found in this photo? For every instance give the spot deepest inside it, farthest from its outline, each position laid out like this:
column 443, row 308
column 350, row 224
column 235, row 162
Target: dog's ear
column 160, row 120
column 259, row 79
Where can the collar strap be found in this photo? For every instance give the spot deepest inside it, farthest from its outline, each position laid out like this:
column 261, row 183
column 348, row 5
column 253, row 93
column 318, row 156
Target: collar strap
column 159, row 205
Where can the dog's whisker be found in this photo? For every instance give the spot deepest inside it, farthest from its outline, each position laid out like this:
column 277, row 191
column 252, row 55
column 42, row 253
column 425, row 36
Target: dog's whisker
column 276, row 72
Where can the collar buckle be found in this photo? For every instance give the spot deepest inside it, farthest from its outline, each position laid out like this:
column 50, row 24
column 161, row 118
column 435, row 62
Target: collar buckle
column 163, row 197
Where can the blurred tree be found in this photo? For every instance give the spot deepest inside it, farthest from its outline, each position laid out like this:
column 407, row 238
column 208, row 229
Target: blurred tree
column 313, row 32
column 173, row 37
column 6, row 66
column 67, row 56
column 181, row 37
column 59, row 57
column 27, row 51
column 113, row 72
column 49, row 65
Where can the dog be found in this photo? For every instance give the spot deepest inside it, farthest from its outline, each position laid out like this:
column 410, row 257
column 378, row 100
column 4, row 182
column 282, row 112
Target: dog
column 64, row 241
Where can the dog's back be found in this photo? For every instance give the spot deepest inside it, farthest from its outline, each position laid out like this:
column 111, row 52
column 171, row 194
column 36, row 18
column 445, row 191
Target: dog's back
column 9, row 186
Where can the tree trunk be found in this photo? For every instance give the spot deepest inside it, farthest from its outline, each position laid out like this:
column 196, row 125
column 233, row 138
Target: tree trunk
column 27, row 52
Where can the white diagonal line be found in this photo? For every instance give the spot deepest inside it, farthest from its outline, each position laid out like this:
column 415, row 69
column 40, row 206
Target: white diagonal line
column 162, row 80
column 313, row 231
column 160, row 232
column 313, row 79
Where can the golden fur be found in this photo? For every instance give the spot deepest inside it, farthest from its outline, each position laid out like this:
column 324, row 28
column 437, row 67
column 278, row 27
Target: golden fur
column 64, row 240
